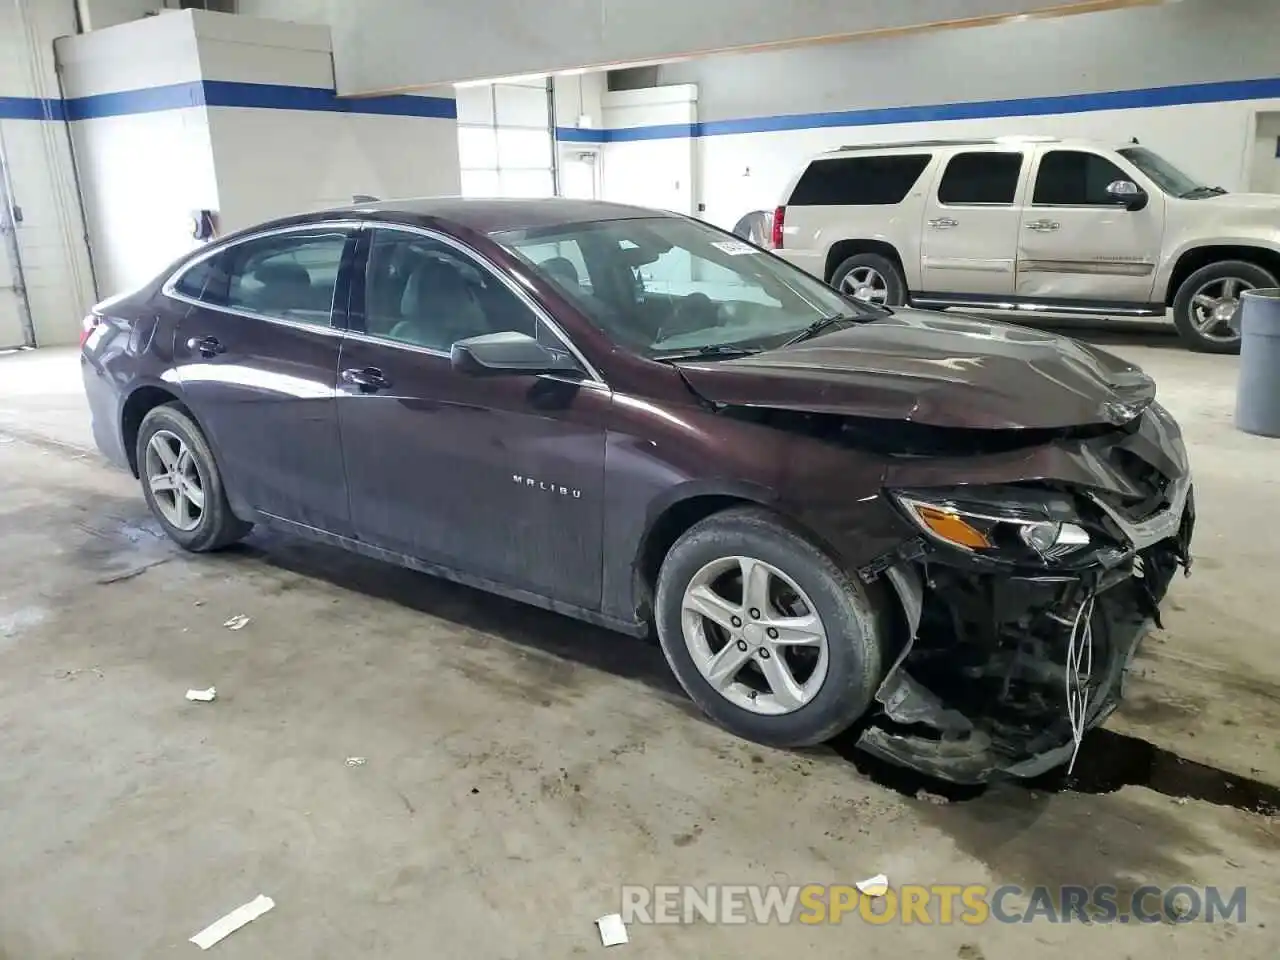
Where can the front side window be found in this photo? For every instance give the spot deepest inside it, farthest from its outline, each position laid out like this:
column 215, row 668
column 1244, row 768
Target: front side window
column 981, row 177
column 426, row 293
column 1072, row 178
column 286, row 276
column 859, row 181
column 665, row 285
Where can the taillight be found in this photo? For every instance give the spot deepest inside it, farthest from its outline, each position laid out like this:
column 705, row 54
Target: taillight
column 779, row 217
column 90, row 321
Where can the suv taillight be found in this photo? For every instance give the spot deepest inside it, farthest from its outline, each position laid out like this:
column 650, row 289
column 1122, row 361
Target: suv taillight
column 90, row 321
column 779, row 217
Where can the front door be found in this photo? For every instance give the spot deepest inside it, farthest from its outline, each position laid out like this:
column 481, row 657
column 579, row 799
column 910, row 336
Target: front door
column 257, row 357
column 1077, row 243
column 970, row 230
column 502, row 477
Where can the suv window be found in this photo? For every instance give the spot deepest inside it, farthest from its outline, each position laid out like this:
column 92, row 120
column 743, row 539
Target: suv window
column 1069, row 178
column 859, row 181
column 981, row 177
column 289, row 276
column 424, row 292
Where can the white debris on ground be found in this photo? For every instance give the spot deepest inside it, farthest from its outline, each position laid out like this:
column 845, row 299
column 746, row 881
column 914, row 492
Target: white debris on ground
column 613, row 932
column 203, row 696
column 233, row 921
column 357, row 761
column 876, row 886
column 238, row 622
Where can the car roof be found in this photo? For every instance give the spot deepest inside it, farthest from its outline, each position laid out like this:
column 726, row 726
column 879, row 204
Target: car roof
column 1002, row 141
column 494, row 215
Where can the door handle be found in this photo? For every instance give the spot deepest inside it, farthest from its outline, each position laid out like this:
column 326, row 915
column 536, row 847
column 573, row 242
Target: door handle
column 943, row 223
column 206, row 346
column 1043, row 226
column 368, row 379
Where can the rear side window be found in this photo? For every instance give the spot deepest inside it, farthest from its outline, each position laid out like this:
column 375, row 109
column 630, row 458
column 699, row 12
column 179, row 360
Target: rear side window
column 980, row 177
column 858, row 181
column 1070, row 178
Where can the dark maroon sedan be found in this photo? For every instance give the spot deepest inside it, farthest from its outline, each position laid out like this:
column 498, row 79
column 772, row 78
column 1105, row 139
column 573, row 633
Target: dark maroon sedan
column 950, row 531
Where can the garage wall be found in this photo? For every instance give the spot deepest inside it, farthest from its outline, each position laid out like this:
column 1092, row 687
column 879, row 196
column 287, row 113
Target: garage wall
column 192, row 111
column 33, row 140
column 1185, row 78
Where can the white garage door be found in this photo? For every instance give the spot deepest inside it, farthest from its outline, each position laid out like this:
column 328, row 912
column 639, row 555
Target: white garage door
column 11, row 305
column 504, row 139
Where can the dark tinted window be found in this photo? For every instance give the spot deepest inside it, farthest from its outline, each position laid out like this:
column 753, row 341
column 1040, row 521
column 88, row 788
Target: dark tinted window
column 206, row 281
column 1071, row 178
column 427, row 293
column 291, row 276
column 858, row 181
column 982, row 177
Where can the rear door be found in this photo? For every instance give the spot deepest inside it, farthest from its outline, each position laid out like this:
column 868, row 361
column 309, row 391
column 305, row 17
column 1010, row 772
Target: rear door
column 1076, row 242
column 969, row 239
column 257, row 357
column 500, row 477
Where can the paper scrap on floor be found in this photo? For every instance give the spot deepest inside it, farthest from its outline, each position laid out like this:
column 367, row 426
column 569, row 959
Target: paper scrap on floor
column 613, row 931
column 233, row 921
column 876, row 886
column 238, row 622
column 204, row 696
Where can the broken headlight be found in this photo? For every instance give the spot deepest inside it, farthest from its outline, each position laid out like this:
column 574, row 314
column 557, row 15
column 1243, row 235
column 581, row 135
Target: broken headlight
column 1010, row 524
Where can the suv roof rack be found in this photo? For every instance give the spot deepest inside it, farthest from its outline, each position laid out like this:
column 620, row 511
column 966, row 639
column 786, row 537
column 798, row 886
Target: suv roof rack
column 958, row 142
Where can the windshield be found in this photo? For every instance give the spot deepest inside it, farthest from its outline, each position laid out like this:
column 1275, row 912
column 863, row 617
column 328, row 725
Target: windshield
column 666, row 286
column 1167, row 177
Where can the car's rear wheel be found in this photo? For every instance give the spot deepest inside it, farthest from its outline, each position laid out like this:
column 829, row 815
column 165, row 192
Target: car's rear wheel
column 871, row 277
column 181, row 482
column 765, row 633
column 1206, row 304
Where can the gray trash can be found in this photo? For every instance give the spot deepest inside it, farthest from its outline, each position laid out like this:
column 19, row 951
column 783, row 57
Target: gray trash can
column 1258, row 391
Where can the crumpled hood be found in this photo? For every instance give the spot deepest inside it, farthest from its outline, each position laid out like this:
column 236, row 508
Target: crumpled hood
column 938, row 369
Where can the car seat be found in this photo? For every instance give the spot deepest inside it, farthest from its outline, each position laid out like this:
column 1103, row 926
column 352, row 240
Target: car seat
column 438, row 308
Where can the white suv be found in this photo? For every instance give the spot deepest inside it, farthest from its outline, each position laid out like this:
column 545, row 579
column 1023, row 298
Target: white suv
column 1029, row 224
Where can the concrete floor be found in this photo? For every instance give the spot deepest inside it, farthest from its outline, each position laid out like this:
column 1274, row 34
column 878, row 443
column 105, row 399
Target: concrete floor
column 521, row 766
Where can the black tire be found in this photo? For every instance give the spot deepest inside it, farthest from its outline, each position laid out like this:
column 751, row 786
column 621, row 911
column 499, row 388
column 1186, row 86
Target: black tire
column 218, row 527
column 1183, row 318
column 856, row 626
column 895, row 283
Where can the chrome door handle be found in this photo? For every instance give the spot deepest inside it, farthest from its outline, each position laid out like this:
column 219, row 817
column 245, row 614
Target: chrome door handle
column 943, row 223
column 1043, row 226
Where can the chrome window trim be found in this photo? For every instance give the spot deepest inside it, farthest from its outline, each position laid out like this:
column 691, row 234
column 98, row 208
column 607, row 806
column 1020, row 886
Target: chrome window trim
column 496, row 271
column 168, row 288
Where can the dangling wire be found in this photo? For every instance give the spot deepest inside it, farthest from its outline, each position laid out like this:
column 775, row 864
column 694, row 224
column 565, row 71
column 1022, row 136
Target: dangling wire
column 1079, row 650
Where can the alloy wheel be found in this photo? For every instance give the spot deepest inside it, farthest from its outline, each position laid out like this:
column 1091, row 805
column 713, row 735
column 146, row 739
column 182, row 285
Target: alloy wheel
column 865, row 283
column 1214, row 306
column 754, row 635
column 174, row 480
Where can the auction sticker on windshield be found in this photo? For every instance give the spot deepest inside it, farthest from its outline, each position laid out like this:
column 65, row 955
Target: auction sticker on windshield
column 734, row 248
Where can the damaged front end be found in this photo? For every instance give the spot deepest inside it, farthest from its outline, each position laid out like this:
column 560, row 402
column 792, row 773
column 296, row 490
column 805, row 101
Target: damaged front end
column 1024, row 603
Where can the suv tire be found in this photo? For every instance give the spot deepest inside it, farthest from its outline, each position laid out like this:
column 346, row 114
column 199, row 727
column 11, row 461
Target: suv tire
column 837, row 676
column 181, row 482
column 869, row 266
column 1218, row 338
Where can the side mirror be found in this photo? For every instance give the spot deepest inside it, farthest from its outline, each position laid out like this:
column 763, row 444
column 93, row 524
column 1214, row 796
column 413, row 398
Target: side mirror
column 1128, row 194
column 509, row 354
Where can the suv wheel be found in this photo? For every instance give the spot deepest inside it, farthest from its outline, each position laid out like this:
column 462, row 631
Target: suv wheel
column 871, row 277
column 181, row 482
column 765, row 633
column 1205, row 307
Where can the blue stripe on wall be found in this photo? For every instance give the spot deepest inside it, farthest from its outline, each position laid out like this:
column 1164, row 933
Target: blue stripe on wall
column 1226, row 91
column 222, row 93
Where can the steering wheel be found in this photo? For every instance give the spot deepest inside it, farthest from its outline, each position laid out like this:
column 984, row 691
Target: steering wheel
column 694, row 311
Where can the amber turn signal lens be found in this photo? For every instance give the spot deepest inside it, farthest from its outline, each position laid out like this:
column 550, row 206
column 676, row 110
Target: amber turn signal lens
column 952, row 528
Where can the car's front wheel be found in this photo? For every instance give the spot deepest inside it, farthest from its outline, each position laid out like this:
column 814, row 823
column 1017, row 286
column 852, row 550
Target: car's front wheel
column 181, row 482
column 765, row 633
column 1206, row 304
